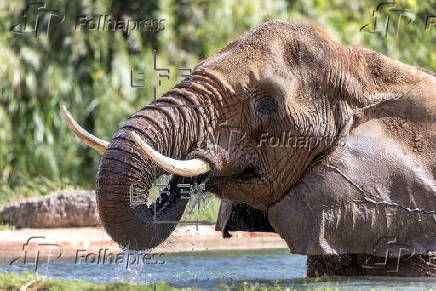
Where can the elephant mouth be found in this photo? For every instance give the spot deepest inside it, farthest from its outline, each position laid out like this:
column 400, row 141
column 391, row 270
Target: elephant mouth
column 248, row 175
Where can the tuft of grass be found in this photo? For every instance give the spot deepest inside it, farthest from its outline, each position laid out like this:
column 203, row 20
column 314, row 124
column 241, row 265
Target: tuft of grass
column 7, row 227
column 30, row 281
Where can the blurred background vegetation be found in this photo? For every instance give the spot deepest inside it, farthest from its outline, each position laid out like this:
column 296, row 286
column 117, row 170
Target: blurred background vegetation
column 89, row 71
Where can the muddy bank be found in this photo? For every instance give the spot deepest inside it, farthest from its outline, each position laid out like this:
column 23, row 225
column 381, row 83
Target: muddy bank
column 68, row 243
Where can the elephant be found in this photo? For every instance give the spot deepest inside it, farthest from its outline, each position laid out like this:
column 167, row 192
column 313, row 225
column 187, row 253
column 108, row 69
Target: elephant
column 333, row 148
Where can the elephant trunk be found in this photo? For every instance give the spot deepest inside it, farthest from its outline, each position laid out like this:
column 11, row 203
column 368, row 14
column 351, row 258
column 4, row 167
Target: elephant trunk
column 124, row 169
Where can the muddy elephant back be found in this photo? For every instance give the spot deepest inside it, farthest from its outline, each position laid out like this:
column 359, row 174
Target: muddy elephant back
column 367, row 198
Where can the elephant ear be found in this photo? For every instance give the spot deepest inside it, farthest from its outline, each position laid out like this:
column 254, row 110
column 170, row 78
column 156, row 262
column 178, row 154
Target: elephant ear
column 234, row 216
column 373, row 78
column 367, row 197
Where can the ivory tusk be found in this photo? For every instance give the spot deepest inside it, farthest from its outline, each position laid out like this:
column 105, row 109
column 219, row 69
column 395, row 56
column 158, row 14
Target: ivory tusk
column 87, row 138
column 186, row 168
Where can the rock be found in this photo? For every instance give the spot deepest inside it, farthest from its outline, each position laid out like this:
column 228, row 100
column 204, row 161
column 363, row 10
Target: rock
column 70, row 208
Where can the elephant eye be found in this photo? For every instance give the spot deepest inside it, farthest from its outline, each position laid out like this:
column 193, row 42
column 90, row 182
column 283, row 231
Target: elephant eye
column 265, row 106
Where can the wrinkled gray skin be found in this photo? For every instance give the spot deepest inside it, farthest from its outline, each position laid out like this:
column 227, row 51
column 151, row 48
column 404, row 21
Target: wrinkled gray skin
column 366, row 198
column 355, row 212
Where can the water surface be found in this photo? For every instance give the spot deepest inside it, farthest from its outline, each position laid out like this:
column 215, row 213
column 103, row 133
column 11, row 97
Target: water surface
column 229, row 270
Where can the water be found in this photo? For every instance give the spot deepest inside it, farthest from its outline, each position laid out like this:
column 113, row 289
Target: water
column 229, row 270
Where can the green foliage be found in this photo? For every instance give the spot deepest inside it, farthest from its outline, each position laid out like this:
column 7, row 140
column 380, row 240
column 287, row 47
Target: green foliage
column 7, row 227
column 205, row 210
column 13, row 281
column 89, row 71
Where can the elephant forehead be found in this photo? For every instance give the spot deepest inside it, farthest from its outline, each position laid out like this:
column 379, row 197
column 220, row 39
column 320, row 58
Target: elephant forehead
column 238, row 65
column 265, row 51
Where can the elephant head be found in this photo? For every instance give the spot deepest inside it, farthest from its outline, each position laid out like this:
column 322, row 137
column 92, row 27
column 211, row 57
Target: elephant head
column 257, row 115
